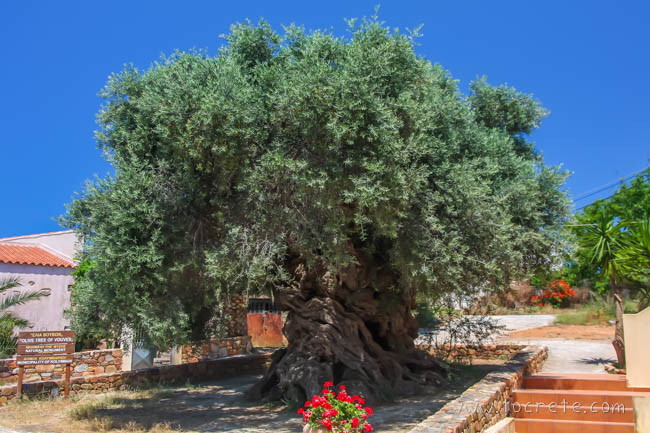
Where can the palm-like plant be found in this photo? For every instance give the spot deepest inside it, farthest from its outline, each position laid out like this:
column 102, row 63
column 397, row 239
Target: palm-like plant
column 604, row 241
column 634, row 259
column 8, row 320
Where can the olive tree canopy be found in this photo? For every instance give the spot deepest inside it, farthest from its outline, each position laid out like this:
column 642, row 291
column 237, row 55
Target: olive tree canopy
column 343, row 174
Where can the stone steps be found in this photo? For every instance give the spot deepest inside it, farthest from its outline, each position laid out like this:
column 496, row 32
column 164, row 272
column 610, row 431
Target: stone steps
column 579, row 381
column 563, row 426
column 559, row 403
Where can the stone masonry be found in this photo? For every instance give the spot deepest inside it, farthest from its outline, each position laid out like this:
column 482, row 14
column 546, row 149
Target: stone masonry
column 465, row 353
column 168, row 374
column 218, row 348
column 486, row 402
column 85, row 364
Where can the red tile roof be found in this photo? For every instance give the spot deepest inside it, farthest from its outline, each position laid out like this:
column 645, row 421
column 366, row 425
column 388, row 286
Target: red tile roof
column 31, row 255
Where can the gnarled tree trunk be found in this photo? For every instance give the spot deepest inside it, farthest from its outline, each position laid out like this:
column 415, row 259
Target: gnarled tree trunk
column 350, row 328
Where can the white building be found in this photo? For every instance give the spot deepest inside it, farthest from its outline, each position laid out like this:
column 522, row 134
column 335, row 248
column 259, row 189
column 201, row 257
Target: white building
column 41, row 262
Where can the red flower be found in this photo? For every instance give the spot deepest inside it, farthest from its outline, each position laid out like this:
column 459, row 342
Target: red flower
column 367, row 427
column 343, row 396
column 331, row 412
column 308, row 403
column 342, row 387
column 301, row 411
column 325, row 391
column 369, row 411
column 327, row 423
column 328, row 384
column 355, row 422
column 326, row 406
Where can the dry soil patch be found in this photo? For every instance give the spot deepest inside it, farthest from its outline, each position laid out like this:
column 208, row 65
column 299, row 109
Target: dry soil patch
column 565, row 332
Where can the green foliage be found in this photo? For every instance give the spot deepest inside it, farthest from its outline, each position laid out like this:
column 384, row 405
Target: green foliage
column 425, row 315
column 629, row 203
column 598, row 311
column 7, row 342
column 505, row 109
column 633, row 259
column 305, row 144
column 614, row 240
column 8, row 320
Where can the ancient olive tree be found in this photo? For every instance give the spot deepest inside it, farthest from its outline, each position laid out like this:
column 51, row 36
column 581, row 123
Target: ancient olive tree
column 345, row 175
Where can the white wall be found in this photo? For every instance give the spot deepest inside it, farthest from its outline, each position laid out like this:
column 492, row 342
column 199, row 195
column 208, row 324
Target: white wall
column 45, row 313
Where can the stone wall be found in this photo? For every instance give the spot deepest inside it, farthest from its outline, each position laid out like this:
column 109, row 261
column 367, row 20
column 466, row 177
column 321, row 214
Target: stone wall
column 167, row 375
column 465, row 353
column 236, row 309
column 486, row 402
column 85, row 364
column 214, row 349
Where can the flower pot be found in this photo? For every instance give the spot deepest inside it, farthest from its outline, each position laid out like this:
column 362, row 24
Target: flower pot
column 308, row 429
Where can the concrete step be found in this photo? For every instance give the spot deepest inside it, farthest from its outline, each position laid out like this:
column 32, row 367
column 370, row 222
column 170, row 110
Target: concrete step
column 585, row 398
column 616, row 414
column 562, row 426
column 584, row 381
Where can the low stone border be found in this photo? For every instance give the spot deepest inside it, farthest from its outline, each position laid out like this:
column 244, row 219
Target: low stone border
column 465, row 353
column 486, row 402
column 216, row 348
column 169, row 374
column 87, row 363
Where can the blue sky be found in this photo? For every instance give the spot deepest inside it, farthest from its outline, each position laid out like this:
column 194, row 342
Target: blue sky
column 586, row 61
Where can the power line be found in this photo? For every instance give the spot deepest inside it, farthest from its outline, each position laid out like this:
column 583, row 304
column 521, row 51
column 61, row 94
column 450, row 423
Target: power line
column 607, row 186
column 604, row 198
column 589, row 204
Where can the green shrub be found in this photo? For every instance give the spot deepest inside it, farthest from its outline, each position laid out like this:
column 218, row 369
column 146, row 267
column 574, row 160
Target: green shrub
column 7, row 342
column 424, row 315
column 598, row 311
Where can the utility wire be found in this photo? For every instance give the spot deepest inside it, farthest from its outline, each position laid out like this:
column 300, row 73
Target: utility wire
column 607, row 186
column 589, row 204
column 604, row 198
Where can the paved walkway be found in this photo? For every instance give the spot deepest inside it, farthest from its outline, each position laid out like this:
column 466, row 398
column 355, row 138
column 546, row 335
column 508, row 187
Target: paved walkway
column 520, row 322
column 564, row 356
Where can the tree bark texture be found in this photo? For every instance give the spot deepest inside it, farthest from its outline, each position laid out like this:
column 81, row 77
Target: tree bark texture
column 619, row 339
column 352, row 328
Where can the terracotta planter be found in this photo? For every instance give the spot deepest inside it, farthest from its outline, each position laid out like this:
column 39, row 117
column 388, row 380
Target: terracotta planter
column 308, row 429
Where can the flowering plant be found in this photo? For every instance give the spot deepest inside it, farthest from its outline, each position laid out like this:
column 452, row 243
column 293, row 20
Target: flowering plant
column 559, row 295
column 336, row 412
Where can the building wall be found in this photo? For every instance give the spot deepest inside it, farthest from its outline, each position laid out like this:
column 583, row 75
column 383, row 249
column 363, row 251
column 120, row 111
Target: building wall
column 46, row 313
column 64, row 242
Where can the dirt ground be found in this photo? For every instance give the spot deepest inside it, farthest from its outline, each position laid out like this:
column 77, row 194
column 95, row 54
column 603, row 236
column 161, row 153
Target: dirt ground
column 566, row 332
column 210, row 407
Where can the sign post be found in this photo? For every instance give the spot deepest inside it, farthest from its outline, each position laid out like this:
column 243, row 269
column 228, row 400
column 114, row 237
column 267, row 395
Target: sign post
column 19, row 386
column 45, row 348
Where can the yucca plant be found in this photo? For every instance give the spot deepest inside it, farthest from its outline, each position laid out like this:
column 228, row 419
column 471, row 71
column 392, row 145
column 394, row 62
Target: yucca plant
column 8, row 320
column 634, row 259
column 604, row 240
